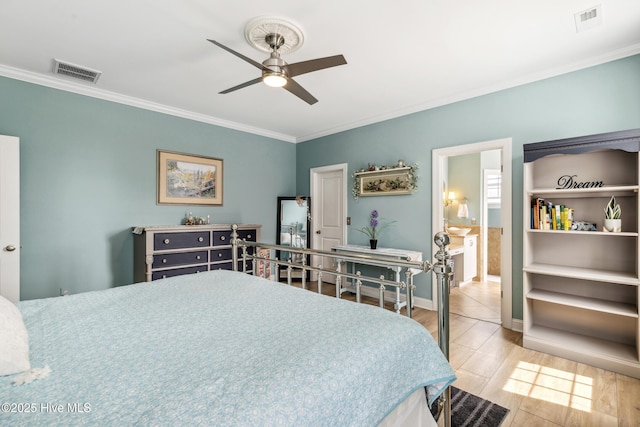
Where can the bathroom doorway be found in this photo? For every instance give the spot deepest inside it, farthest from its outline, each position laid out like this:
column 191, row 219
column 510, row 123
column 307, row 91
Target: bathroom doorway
column 461, row 178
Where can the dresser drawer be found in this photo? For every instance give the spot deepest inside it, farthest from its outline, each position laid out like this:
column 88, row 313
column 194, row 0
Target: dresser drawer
column 182, row 258
column 248, row 235
column 221, row 238
column 220, row 254
column 193, row 239
column 249, row 265
column 221, row 266
column 177, row 272
column 229, row 264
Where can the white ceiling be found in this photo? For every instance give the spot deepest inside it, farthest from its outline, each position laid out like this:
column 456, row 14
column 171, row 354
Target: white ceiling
column 402, row 56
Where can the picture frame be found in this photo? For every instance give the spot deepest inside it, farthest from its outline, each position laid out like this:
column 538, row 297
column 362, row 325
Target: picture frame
column 389, row 182
column 188, row 179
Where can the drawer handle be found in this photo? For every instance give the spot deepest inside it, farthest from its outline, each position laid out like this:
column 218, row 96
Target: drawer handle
column 165, row 241
column 200, row 239
column 248, row 236
column 164, row 260
column 198, row 257
column 223, row 238
column 219, row 255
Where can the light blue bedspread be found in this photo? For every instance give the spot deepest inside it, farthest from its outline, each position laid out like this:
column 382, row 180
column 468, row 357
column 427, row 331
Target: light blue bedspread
column 219, row 348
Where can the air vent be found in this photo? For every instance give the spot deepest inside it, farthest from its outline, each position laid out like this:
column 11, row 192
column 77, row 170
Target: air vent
column 588, row 18
column 75, row 71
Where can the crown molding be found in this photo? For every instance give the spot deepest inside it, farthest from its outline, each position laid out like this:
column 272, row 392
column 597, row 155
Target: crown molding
column 530, row 78
column 94, row 92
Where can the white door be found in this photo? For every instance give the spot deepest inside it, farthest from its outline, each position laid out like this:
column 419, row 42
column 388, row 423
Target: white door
column 10, row 218
column 329, row 212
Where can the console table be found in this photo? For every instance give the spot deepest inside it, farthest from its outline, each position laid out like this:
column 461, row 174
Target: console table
column 390, row 253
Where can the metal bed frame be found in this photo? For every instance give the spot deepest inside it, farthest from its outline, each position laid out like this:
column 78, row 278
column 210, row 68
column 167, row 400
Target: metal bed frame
column 442, row 268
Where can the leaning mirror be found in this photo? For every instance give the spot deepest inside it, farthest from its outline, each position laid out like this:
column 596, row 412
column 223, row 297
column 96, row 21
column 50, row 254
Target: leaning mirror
column 293, row 226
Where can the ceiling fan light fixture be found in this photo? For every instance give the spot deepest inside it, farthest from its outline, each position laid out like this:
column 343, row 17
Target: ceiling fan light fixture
column 274, row 79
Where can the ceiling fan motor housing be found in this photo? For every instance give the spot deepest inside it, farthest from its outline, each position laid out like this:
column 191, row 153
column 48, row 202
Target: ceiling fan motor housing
column 274, row 71
column 276, row 64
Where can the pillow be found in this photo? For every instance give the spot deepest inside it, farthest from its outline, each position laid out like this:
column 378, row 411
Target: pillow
column 14, row 340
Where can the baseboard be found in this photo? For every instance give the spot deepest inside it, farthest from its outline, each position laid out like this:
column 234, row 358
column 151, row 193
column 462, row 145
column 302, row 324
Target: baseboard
column 419, row 302
column 427, row 304
column 517, row 325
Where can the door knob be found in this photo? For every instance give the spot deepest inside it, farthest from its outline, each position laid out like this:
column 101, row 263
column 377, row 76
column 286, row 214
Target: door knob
column 318, row 231
column 10, row 248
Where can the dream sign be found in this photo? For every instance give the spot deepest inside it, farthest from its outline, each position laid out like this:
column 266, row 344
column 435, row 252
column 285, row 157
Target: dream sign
column 566, row 182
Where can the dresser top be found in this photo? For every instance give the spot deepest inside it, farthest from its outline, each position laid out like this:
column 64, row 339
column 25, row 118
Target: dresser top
column 217, row 227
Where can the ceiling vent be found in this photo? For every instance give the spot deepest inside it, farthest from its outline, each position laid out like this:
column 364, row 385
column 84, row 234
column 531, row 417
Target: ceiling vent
column 75, row 71
column 588, row 18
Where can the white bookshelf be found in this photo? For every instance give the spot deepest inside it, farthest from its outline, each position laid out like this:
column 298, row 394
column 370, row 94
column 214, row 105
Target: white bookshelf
column 581, row 288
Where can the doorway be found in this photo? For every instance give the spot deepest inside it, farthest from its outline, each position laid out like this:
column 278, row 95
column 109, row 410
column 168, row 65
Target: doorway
column 328, row 212
column 440, row 200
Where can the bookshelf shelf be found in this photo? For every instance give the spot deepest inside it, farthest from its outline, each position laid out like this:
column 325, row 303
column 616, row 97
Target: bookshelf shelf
column 581, row 288
column 605, row 276
column 612, row 307
column 587, row 233
column 578, row 345
column 606, row 191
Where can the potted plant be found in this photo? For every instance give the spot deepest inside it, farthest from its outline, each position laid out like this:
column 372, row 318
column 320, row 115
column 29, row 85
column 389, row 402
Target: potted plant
column 374, row 228
column 612, row 220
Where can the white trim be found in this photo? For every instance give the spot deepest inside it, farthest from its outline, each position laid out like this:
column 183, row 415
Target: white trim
column 95, row 92
column 437, row 216
column 485, row 219
column 389, row 295
column 313, row 174
column 530, row 78
column 517, row 325
column 58, row 83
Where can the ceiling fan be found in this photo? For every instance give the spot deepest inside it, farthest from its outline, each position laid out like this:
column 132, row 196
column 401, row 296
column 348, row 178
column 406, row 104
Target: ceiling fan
column 277, row 73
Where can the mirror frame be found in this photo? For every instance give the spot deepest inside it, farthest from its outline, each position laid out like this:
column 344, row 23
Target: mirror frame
column 279, row 225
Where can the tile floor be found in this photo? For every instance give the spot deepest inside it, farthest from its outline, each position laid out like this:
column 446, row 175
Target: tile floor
column 477, row 300
column 537, row 388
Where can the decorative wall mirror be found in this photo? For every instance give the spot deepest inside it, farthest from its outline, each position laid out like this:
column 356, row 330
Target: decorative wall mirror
column 293, row 225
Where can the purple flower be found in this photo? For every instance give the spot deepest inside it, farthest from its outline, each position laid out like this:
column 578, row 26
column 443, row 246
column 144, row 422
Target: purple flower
column 374, row 227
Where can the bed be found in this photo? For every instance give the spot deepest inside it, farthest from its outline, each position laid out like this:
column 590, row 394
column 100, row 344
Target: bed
column 221, row 348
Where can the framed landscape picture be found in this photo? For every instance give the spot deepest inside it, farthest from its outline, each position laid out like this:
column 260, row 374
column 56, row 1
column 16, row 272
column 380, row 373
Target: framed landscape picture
column 185, row 179
column 388, row 182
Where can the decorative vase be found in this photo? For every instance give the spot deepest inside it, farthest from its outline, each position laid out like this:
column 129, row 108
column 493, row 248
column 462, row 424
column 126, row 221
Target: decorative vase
column 373, row 243
column 612, row 225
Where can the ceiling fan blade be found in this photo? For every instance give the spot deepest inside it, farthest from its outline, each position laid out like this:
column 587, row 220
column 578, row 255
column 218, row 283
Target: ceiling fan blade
column 293, row 87
column 239, row 55
column 240, row 86
column 315, row 64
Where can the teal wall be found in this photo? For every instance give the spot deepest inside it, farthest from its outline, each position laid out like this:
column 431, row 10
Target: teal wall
column 598, row 99
column 88, row 167
column 465, row 180
column 88, row 173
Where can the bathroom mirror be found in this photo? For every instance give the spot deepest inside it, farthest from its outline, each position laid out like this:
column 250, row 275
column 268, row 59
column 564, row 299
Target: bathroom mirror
column 294, row 222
